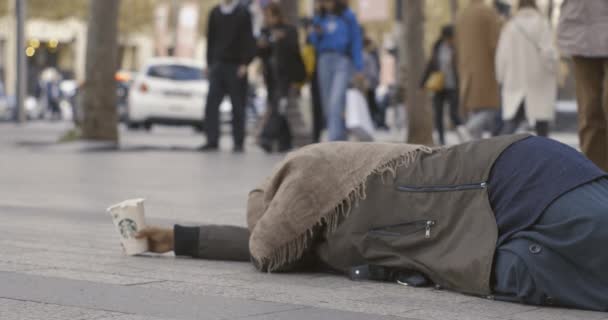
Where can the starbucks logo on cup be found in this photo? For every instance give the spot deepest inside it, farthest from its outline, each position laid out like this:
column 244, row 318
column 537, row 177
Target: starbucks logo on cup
column 128, row 228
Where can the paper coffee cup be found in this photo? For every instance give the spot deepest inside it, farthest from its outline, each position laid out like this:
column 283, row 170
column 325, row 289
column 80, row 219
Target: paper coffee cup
column 128, row 218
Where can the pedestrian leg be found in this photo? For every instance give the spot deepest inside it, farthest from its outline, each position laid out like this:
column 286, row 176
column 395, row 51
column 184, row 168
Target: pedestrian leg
column 336, row 124
column 461, row 131
column 334, row 74
column 217, row 91
column 479, row 122
column 373, row 106
column 325, row 77
column 317, row 110
column 237, row 89
column 511, row 126
column 452, row 100
column 542, row 128
column 285, row 134
column 438, row 104
column 593, row 134
column 556, row 261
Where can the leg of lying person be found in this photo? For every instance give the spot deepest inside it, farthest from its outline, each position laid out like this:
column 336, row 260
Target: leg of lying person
column 559, row 261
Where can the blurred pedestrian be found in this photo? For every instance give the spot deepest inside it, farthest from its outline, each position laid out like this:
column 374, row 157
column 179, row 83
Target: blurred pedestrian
column 442, row 69
column 583, row 35
column 527, row 69
column 336, row 34
column 284, row 69
column 50, row 91
column 230, row 49
column 477, row 32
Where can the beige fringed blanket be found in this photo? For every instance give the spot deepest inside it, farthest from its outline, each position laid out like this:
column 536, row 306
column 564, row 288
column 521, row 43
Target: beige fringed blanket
column 315, row 185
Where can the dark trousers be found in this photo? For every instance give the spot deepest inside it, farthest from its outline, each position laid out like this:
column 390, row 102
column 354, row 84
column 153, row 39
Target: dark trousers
column 223, row 80
column 561, row 259
column 276, row 127
column 372, row 104
column 449, row 96
column 318, row 120
column 509, row 127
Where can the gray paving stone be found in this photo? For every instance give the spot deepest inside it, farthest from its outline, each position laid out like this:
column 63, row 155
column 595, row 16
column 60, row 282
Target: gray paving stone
column 79, row 295
column 439, row 314
column 558, row 314
column 317, row 314
column 130, row 300
column 98, row 277
column 27, row 310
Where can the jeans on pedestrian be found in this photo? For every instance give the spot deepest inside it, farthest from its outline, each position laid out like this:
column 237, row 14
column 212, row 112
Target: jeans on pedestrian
column 224, row 80
column 334, row 76
column 561, row 259
column 481, row 121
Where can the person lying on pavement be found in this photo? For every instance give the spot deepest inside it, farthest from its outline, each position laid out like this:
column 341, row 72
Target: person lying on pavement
column 514, row 218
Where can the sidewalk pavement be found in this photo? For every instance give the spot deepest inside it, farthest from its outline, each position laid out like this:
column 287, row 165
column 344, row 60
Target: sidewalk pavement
column 60, row 258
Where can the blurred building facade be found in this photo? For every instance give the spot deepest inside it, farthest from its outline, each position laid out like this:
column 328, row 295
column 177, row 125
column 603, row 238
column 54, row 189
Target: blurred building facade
column 56, row 30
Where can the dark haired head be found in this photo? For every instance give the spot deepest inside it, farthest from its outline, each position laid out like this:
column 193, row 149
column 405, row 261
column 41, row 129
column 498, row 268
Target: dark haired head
column 339, row 6
column 527, row 4
column 275, row 9
column 447, row 32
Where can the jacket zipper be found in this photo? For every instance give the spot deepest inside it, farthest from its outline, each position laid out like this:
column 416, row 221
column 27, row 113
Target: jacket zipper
column 425, row 225
column 460, row 187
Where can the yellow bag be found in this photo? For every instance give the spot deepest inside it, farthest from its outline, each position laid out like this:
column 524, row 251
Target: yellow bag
column 309, row 58
column 435, row 82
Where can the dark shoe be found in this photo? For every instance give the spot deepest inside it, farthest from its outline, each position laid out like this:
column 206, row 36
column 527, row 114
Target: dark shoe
column 266, row 146
column 209, row 148
column 284, row 149
column 238, row 149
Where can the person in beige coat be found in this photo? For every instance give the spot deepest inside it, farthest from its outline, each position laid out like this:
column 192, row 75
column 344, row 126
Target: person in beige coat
column 583, row 35
column 527, row 68
column 477, row 32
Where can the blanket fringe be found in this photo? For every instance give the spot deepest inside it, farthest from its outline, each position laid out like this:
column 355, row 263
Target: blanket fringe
column 292, row 251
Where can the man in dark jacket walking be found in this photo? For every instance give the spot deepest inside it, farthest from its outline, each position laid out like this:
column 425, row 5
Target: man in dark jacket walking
column 279, row 49
column 230, row 48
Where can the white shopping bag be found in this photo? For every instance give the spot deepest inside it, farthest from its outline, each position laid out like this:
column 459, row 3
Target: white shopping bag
column 358, row 120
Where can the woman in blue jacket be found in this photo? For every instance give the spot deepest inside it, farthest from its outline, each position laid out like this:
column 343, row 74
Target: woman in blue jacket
column 336, row 36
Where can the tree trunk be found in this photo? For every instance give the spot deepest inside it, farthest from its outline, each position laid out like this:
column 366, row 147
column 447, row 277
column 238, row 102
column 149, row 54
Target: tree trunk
column 420, row 125
column 99, row 96
column 290, row 10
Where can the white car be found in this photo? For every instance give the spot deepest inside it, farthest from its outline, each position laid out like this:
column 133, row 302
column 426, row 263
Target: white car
column 170, row 91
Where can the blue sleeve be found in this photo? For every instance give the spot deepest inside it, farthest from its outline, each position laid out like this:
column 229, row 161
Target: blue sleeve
column 356, row 50
column 313, row 37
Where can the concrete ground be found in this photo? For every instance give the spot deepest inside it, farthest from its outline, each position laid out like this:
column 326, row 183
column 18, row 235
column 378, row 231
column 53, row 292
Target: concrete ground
column 60, row 258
